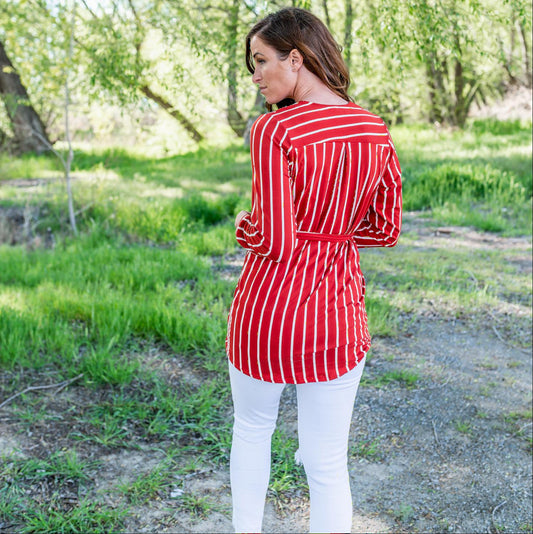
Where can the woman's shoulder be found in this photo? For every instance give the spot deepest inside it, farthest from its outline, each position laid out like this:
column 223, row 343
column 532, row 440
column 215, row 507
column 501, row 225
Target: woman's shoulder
column 303, row 118
column 274, row 121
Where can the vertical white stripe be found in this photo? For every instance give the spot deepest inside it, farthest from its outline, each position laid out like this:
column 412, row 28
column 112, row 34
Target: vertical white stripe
column 272, row 311
column 282, row 322
column 303, row 274
column 348, row 188
column 347, row 327
column 271, row 266
column 336, row 178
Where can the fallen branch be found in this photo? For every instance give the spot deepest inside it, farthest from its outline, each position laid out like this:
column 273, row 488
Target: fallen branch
column 496, row 508
column 505, row 342
column 435, row 432
column 60, row 385
column 84, row 208
column 521, row 429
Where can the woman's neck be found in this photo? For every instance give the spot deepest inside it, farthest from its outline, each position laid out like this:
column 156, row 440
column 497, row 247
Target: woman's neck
column 310, row 88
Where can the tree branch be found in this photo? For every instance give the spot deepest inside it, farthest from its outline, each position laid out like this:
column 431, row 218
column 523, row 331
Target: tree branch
column 61, row 386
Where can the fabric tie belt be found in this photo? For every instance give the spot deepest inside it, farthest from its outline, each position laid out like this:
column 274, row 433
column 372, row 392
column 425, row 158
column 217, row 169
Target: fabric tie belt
column 315, row 236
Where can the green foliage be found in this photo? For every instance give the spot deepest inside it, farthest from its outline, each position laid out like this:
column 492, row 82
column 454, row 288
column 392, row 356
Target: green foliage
column 89, row 293
column 382, row 316
column 404, row 513
column 27, row 166
column 368, row 449
column 63, row 466
column 404, row 377
column 198, row 507
column 198, row 209
column 495, row 127
column 464, row 427
column 416, row 59
column 87, row 516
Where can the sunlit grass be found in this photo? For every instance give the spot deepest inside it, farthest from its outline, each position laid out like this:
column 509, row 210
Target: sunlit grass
column 465, row 278
column 479, row 177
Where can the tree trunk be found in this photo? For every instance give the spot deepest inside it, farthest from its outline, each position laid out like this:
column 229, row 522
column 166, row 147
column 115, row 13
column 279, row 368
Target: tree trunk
column 348, row 24
column 459, row 109
column 326, row 13
column 169, row 108
column 70, row 155
column 461, row 101
column 436, row 88
column 526, row 56
column 29, row 130
column 235, row 119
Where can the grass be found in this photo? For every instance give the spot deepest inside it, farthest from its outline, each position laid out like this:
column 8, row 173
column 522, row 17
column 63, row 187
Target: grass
column 149, row 486
column 62, row 473
column 464, row 427
column 196, row 506
column 403, row 377
column 477, row 177
column 368, row 449
column 286, row 475
column 404, row 513
column 137, row 305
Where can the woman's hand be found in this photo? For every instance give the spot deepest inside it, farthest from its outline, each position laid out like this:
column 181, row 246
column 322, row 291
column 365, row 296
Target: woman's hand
column 240, row 216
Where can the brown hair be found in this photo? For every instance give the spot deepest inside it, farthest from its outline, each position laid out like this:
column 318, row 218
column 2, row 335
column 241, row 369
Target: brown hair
column 295, row 28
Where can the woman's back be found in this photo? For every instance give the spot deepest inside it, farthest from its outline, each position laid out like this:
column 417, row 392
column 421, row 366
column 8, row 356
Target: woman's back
column 336, row 158
column 326, row 180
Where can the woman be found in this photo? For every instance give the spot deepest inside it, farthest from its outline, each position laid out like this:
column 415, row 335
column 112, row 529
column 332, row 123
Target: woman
column 326, row 181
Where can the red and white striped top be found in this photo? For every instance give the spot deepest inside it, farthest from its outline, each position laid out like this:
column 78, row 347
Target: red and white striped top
column 326, row 180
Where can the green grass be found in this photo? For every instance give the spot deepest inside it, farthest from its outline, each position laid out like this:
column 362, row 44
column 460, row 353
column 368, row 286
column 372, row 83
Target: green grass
column 286, row 475
column 368, row 449
column 63, row 472
column 479, row 177
column 461, row 283
column 137, row 305
column 87, row 516
column 196, row 506
column 464, row 427
column 149, row 486
column 403, row 377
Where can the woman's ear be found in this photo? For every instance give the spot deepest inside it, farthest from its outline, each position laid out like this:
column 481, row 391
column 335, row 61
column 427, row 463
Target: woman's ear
column 296, row 59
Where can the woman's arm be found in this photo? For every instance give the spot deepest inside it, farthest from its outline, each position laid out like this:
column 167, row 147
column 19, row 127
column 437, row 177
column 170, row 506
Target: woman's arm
column 269, row 229
column 381, row 225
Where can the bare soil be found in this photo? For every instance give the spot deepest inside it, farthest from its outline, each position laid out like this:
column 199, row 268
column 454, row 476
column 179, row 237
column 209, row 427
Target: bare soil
column 452, row 453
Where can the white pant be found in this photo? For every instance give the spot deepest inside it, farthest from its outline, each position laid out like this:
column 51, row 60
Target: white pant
column 324, row 416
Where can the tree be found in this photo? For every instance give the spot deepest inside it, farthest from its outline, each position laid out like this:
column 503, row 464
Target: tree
column 28, row 129
column 113, row 45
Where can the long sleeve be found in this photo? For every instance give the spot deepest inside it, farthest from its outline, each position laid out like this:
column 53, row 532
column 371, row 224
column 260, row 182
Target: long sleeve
column 381, row 225
column 270, row 229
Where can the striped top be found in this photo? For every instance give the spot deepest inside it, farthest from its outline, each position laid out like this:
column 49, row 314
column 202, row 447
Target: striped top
column 326, row 180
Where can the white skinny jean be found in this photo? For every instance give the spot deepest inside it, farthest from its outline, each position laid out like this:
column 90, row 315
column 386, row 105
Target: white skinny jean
column 324, row 416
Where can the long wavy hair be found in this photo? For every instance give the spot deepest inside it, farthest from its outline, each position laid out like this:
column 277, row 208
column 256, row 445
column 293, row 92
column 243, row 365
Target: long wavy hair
column 295, row 28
